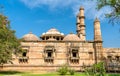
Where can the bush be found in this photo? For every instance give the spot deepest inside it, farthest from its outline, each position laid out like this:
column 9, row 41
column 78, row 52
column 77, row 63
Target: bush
column 72, row 72
column 96, row 70
column 63, row 70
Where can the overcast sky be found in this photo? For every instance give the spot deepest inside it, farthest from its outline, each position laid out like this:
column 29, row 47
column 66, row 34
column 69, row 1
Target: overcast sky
column 38, row 16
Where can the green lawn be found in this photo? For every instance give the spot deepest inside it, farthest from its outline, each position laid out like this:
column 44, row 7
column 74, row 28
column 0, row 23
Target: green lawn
column 14, row 73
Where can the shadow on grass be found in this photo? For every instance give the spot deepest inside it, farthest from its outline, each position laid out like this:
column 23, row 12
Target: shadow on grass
column 10, row 72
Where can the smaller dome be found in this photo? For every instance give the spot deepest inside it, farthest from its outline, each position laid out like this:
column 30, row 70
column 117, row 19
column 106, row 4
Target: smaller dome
column 30, row 37
column 71, row 37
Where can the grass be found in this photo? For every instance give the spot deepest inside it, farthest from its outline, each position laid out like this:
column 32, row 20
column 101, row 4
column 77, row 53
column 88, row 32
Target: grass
column 16, row 73
column 54, row 74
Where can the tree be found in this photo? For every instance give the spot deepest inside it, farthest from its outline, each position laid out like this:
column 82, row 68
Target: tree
column 114, row 16
column 8, row 41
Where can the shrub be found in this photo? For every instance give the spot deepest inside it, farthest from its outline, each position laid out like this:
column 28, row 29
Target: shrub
column 96, row 70
column 71, row 71
column 63, row 70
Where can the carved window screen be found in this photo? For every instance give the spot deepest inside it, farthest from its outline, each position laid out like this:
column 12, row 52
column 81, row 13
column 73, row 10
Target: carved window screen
column 49, row 54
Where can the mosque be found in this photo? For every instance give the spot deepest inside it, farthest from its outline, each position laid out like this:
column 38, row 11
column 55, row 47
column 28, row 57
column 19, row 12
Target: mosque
column 53, row 49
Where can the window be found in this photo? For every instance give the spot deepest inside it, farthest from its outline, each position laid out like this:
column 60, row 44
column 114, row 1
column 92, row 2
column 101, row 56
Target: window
column 74, row 59
column 47, row 38
column 49, row 56
column 23, row 58
column 43, row 38
column 74, row 54
column 24, row 54
column 57, row 38
column 49, row 53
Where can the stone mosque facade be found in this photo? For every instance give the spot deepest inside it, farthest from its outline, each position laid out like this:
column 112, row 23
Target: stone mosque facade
column 53, row 49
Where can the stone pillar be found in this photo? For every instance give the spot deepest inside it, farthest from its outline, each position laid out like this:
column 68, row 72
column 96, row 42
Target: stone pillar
column 45, row 38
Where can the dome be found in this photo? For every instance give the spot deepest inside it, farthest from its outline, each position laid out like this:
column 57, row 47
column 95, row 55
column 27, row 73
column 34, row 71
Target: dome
column 30, row 37
column 53, row 31
column 71, row 37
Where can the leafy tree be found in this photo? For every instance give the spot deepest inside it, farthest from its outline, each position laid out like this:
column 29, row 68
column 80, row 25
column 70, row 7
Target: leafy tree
column 8, row 41
column 114, row 16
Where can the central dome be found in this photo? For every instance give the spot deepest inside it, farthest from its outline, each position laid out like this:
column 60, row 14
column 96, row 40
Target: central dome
column 71, row 37
column 53, row 31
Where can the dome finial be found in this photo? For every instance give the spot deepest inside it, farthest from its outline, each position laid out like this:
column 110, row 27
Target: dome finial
column 96, row 19
column 30, row 32
column 52, row 27
column 71, row 32
column 81, row 8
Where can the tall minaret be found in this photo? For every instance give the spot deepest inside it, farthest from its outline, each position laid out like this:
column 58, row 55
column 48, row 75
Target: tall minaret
column 78, row 25
column 81, row 25
column 98, row 49
column 97, row 30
